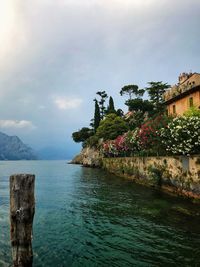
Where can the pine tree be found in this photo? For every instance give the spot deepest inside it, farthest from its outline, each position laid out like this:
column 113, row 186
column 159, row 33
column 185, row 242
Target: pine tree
column 156, row 91
column 132, row 89
column 101, row 103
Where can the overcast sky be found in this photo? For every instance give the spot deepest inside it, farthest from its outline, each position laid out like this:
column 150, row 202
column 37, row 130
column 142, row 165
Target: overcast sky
column 55, row 55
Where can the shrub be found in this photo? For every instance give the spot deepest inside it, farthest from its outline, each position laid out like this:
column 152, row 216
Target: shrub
column 193, row 111
column 132, row 141
column 182, row 135
column 149, row 134
column 111, row 127
column 92, row 141
column 109, row 149
column 123, row 145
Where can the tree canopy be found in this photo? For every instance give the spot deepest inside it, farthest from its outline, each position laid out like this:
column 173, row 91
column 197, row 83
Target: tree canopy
column 111, row 127
column 131, row 90
column 155, row 92
column 139, row 104
column 82, row 135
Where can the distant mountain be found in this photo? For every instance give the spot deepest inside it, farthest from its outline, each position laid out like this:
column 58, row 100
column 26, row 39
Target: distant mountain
column 12, row 148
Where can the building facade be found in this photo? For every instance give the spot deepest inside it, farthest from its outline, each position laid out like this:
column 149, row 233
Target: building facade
column 184, row 95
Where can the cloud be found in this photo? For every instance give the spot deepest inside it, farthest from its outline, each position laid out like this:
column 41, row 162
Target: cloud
column 86, row 46
column 23, row 124
column 68, row 103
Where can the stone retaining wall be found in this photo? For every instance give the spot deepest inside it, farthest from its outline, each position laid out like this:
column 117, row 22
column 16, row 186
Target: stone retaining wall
column 179, row 175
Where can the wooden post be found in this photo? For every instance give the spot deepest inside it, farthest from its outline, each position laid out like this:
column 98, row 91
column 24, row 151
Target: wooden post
column 22, row 208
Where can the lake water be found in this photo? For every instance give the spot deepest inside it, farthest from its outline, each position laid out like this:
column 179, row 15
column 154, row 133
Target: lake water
column 87, row 217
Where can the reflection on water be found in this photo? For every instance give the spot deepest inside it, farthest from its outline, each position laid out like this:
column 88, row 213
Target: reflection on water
column 86, row 217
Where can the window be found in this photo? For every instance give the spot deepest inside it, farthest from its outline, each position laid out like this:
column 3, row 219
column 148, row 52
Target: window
column 191, row 102
column 174, row 109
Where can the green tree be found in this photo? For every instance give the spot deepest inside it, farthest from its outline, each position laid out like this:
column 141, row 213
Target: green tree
column 97, row 116
column 111, row 106
column 141, row 109
column 82, row 135
column 156, row 91
column 111, row 127
column 103, row 95
column 131, row 90
column 120, row 112
column 136, row 119
column 139, row 104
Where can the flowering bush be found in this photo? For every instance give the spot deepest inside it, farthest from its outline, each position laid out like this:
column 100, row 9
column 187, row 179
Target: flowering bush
column 182, row 135
column 115, row 147
column 122, row 145
column 149, row 133
column 132, row 140
column 109, row 149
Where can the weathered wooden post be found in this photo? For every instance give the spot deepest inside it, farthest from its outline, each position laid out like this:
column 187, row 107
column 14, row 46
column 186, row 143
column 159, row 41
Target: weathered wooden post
column 22, row 208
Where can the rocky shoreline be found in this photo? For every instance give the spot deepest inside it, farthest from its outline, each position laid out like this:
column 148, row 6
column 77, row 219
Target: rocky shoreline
column 88, row 157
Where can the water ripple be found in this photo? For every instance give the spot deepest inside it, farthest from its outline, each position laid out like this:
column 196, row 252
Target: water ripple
column 86, row 217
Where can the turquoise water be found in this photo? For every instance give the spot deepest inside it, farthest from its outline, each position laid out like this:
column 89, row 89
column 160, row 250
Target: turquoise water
column 86, row 217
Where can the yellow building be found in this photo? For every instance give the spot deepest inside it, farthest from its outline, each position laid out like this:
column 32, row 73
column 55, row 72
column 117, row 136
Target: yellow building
column 184, row 95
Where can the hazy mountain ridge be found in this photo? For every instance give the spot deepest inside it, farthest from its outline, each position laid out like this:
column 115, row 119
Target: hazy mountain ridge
column 12, row 148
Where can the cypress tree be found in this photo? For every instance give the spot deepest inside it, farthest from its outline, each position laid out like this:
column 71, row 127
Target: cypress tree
column 97, row 116
column 111, row 104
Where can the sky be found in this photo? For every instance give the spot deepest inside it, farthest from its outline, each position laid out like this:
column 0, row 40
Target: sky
column 56, row 54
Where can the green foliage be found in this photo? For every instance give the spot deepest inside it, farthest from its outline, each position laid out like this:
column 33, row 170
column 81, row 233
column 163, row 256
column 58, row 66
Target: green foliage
column 149, row 134
column 111, row 127
column 97, row 116
column 120, row 112
column 103, row 95
column 193, row 111
column 156, row 91
column 82, row 135
column 139, row 104
column 92, row 141
column 111, row 106
column 141, row 109
column 131, row 90
column 136, row 119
